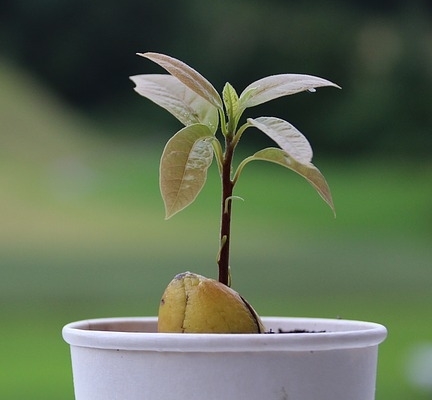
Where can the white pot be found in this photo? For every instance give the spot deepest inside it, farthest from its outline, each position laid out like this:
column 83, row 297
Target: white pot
column 126, row 359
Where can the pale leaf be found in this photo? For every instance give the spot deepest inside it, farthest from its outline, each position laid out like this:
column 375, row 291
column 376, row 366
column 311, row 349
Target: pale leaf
column 275, row 86
column 183, row 168
column 307, row 171
column 286, row 136
column 169, row 93
column 184, row 73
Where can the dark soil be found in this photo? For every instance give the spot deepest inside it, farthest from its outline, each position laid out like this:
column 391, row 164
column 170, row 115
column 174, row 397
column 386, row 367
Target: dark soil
column 295, row 331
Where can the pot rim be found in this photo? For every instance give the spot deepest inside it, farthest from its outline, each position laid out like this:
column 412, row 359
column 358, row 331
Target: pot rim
column 140, row 334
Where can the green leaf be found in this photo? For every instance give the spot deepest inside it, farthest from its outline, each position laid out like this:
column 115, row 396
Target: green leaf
column 307, row 171
column 169, row 93
column 286, row 136
column 275, row 86
column 231, row 101
column 184, row 73
column 183, row 168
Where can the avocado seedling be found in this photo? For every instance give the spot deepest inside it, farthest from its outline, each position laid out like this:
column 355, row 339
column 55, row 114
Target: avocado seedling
column 212, row 130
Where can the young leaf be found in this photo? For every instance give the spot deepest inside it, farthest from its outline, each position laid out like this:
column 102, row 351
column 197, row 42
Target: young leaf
column 183, row 168
column 191, row 78
column 286, row 136
column 169, row 93
column 231, row 101
column 307, row 171
column 275, row 86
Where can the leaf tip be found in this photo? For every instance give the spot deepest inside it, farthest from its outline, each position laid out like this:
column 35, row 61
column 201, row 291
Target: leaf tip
column 334, row 210
column 133, row 79
column 329, row 200
column 334, row 85
column 147, row 54
column 168, row 212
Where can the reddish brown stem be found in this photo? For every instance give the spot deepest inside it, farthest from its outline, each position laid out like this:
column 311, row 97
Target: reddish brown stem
column 225, row 233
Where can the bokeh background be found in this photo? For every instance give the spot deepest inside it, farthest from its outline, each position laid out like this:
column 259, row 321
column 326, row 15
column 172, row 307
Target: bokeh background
column 82, row 232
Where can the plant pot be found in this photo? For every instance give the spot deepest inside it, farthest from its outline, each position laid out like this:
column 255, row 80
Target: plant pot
column 126, row 359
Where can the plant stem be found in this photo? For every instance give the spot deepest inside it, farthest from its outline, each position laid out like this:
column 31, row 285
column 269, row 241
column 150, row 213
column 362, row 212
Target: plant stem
column 225, row 232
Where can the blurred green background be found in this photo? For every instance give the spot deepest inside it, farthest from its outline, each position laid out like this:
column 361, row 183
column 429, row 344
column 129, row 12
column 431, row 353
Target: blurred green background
column 82, row 232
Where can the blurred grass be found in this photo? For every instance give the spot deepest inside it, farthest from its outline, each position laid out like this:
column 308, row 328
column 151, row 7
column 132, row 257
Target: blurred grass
column 82, row 235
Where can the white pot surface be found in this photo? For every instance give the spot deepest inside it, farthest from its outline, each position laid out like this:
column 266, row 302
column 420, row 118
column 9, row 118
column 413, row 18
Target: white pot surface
column 126, row 359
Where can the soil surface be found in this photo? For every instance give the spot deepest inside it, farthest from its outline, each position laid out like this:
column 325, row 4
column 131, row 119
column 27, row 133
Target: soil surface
column 296, row 331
